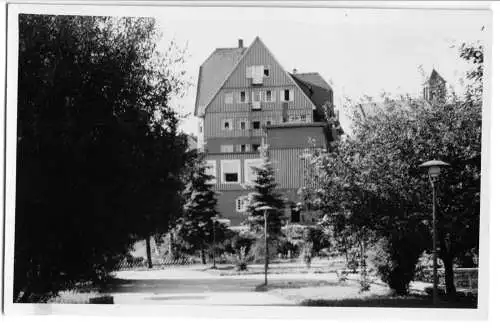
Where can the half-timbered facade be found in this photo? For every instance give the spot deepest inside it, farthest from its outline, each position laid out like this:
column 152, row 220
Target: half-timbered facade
column 246, row 98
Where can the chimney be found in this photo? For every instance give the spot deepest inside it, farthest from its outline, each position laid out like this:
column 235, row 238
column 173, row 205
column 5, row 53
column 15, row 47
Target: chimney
column 240, row 43
column 294, row 71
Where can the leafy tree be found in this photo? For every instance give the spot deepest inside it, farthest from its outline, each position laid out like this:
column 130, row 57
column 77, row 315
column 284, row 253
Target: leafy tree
column 98, row 151
column 372, row 183
column 196, row 227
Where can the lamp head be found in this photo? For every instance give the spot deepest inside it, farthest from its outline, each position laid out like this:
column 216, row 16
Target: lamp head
column 434, row 167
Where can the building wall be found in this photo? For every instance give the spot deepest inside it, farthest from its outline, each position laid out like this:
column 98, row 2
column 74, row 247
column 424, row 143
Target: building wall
column 275, row 111
column 296, row 137
column 227, row 205
column 287, row 145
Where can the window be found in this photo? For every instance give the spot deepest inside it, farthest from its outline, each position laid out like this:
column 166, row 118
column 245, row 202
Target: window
column 268, row 122
column 228, row 98
column 257, row 72
column 266, row 71
column 226, row 148
column 250, row 174
column 243, row 97
column 243, row 125
column 297, row 118
column 230, row 171
column 241, row 204
column 256, row 96
column 255, row 147
column 269, row 96
column 243, row 148
column 201, row 128
column 287, row 95
column 227, row 125
column 256, row 125
column 210, row 169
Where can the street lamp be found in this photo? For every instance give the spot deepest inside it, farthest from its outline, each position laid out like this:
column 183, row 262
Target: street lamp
column 266, row 257
column 434, row 169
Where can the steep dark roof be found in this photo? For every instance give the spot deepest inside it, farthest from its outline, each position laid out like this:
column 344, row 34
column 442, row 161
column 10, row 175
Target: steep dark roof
column 313, row 78
column 315, row 87
column 436, row 76
column 213, row 73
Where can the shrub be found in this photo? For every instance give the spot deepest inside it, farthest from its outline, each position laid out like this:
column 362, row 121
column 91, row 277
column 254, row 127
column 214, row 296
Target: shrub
column 395, row 261
column 257, row 251
column 242, row 261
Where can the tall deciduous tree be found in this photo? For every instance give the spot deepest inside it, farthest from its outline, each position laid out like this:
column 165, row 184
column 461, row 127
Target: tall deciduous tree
column 98, row 151
column 373, row 180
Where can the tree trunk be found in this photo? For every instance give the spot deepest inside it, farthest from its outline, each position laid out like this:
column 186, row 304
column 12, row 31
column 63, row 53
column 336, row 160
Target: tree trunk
column 449, row 276
column 203, row 258
column 148, row 251
column 170, row 243
column 447, row 258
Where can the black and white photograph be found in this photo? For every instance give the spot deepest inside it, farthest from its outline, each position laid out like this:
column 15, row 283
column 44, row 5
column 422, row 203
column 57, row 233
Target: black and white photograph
column 258, row 156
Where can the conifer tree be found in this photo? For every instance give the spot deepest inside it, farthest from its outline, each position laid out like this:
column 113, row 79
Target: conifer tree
column 196, row 227
column 265, row 194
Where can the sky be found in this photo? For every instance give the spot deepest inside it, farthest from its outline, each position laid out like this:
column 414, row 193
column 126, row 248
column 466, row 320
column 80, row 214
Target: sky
column 359, row 51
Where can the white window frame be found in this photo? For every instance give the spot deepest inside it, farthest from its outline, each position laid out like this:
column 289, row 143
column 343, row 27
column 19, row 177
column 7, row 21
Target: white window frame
column 247, row 148
column 241, row 203
column 230, row 124
column 246, row 97
column 273, row 96
column 243, row 121
column 224, row 163
column 249, row 163
column 290, row 95
column 211, row 164
column 228, row 98
column 268, row 68
column 227, row 148
column 254, row 94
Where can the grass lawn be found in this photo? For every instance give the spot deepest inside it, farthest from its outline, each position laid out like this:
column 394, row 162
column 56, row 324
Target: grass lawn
column 347, row 294
column 318, row 266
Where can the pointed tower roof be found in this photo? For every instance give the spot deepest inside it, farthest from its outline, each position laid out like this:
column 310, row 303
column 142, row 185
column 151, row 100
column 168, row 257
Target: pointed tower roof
column 435, row 76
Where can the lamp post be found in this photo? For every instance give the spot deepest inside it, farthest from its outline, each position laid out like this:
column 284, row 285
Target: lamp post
column 434, row 169
column 266, row 257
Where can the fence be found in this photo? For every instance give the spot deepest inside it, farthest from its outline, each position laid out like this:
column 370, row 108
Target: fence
column 127, row 264
column 466, row 279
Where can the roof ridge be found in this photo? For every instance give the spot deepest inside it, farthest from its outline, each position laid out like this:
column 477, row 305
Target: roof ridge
column 228, row 75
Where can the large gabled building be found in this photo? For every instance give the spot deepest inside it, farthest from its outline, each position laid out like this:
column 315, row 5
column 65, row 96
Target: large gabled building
column 246, row 98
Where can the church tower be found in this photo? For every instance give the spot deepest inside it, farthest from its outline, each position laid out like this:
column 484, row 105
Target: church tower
column 434, row 88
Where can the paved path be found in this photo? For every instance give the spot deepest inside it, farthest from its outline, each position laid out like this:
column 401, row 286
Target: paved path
column 183, row 286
